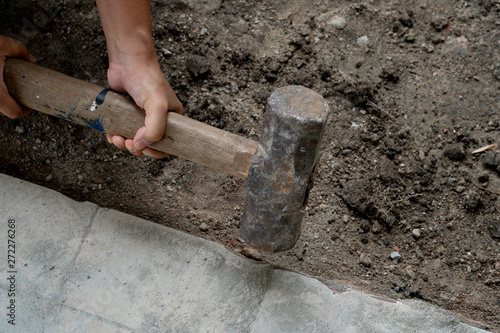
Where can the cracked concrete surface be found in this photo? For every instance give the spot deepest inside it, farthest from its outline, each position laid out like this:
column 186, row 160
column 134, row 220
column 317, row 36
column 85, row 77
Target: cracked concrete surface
column 81, row 268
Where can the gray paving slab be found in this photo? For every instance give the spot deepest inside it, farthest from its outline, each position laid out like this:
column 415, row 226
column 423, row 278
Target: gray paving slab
column 81, row 268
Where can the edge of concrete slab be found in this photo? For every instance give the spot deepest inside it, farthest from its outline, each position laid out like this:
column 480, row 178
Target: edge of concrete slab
column 88, row 269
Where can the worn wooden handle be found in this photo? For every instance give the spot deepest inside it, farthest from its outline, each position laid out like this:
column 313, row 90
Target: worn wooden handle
column 93, row 106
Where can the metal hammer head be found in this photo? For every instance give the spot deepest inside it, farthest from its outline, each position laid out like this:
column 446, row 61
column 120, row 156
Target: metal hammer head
column 282, row 170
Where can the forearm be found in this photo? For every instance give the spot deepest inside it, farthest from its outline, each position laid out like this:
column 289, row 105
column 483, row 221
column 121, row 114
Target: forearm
column 127, row 27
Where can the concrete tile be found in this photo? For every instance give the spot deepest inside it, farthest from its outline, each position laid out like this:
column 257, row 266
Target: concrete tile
column 297, row 303
column 80, row 268
column 149, row 277
column 48, row 235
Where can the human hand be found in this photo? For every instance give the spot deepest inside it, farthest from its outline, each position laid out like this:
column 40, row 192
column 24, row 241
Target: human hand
column 144, row 81
column 11, row 48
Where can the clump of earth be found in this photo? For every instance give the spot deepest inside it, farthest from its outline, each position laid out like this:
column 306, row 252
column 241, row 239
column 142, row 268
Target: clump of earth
column 404, row 204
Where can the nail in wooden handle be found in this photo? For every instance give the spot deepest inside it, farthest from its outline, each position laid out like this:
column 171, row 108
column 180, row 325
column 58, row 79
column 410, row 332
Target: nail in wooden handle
column 87, row 104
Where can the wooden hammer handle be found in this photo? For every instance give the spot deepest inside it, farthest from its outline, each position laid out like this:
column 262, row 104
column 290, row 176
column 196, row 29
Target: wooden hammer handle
column 93, row 106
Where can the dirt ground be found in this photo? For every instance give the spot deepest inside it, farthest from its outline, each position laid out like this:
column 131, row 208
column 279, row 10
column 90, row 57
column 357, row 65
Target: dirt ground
column 414, row 89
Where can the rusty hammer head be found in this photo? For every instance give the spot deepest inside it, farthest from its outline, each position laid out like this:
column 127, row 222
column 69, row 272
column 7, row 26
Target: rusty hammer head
column 282, row 169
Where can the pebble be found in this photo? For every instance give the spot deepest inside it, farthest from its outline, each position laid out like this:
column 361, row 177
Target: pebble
column 365, row 259
column 19, row 129
column 337, row 22
column 362, row 41
column 48, row 178
column 455, row 152
column 410, row 273
column 203, row 227
column 472, row 201
column 80, row 178
column 494, row 229
column 198, row 66
column 395, row 256
column 417, row 233
column 252, row 254
column 165, row 51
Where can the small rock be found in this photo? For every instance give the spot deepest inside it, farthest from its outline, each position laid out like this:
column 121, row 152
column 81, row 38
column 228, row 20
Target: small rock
column 365, row 260
column 166, row 52
column 410, row 37
column 48, row 178
column 376, row 228
column 337, row 22
column 414, row 291
column 80, row 178
column 251, row 253
column 439, row 23
column 494, row 229
column 198, row 66
column 395, row 256
column 362, row 41
column 417, row 233
column 472, row 200
column 19, row 129
column 491, row 160
column 455, row 152
column 97, row 180
column 38, row 141
column 203, row 227
column 390, row 72
column 410, row 273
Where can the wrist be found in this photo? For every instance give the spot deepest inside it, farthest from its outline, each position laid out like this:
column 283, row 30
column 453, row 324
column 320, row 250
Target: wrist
column 131, row 50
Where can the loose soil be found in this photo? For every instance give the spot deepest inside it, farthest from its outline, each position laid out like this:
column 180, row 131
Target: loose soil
column 413, row 87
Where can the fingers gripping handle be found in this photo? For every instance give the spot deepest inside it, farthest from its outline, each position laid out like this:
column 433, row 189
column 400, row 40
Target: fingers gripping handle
column 93, row 106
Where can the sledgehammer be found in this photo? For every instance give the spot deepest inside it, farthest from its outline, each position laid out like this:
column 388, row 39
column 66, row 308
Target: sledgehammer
column 279, row 169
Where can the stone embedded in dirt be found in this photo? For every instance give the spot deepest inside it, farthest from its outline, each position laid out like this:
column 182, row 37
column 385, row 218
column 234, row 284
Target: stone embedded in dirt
column 390, row 72
column 203, row 227
column 19, row 129
column 491, row 160
column 198, row 66
column 472, row 201
column 395, row 256
column 365, row 260
column 455, row 152
column 407, row 20
column 494, row 229
column 376, row 228
column 252, row 254
column 365, row 225
column 48, row 178
column 417, row 233
column 337, row 22
column 439, row 23
column 363, row 41
column 97, row 180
